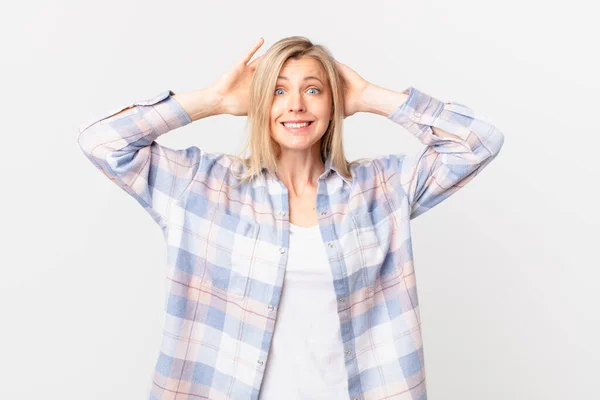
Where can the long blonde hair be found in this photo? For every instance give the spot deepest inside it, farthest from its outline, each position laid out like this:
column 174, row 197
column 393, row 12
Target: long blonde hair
column 263, row 148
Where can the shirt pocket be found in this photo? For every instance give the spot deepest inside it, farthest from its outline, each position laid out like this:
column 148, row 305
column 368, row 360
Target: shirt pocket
column 375, row 233
column 231, row 243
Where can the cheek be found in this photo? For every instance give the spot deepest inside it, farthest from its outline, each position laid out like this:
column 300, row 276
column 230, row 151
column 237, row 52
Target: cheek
column 275, row 113
column 325, row 110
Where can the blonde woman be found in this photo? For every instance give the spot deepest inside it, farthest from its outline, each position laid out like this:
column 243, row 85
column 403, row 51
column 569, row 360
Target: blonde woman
column 290, row 269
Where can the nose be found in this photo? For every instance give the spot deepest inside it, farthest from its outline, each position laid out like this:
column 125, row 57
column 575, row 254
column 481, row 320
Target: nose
column 296, row 103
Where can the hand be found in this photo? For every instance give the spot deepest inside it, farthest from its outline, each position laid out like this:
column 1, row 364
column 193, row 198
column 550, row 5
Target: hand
column 354, row 89
column 233, row 87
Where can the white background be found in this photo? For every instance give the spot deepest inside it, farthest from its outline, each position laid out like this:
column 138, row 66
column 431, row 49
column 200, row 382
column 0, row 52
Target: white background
column 507, row 267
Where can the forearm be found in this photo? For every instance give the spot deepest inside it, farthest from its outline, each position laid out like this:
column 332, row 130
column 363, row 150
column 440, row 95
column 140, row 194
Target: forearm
column 382, row 101
column 199, row 104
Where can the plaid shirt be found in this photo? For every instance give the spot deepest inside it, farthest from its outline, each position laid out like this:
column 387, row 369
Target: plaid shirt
column 228, row 246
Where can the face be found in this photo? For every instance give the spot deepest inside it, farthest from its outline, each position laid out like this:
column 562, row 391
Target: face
column 302, row 93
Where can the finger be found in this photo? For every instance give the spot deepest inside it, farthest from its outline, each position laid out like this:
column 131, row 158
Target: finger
column 253, row 50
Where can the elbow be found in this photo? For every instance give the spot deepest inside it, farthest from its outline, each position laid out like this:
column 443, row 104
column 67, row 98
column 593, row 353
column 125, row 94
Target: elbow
column 84, row 141
column 493, row 142
column 497, row 141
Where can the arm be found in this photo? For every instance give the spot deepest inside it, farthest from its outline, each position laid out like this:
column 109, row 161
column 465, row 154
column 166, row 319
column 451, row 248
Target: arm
column 458, row 145
column 121, row 143
column 200, row 104
column 382, row 101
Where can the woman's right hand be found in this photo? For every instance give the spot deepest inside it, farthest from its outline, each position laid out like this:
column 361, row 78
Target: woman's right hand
column 233, row 87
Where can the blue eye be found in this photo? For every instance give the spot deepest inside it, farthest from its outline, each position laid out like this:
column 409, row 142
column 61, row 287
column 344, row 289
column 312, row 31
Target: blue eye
column 276, row 90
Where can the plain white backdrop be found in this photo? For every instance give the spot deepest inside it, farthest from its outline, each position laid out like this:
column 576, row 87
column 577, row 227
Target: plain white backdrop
column 507, row 268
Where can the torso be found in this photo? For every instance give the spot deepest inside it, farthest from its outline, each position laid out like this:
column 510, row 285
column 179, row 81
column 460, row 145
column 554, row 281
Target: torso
column 306, row 358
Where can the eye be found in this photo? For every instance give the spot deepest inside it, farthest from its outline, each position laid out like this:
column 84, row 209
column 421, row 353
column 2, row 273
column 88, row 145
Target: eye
column 313, row 88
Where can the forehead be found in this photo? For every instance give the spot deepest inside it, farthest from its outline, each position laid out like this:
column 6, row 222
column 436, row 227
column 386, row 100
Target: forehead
column 302, row 67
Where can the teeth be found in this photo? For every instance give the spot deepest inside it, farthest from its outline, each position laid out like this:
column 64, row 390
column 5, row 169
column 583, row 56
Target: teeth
column 294, row 125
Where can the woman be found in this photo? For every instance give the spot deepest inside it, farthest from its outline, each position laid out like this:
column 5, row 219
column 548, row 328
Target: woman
column 292, row 214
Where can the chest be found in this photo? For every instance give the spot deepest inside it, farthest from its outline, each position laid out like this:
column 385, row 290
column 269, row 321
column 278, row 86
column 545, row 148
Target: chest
column 236, row 243
column 303, row 209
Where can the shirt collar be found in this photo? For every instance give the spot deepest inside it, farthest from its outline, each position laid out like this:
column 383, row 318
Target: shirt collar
column 331, row 168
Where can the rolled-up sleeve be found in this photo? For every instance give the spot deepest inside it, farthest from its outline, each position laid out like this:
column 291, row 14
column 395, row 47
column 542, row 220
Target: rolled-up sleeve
column 123, row 147
column 445, row 164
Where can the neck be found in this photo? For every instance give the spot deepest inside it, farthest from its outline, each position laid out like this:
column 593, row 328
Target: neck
column 299, row 171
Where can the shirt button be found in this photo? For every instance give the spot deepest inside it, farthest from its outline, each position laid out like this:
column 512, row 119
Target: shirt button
column 271, row 308
column 341, row 300
column 281, row 250
column 347, row 352
column 260, row 362
column 330, row 244
column 417, row 114
column 323, row 212
column 282, row 213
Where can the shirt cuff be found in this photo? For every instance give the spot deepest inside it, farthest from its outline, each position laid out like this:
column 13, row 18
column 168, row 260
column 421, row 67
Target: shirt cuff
column 417, row 112
column 166, row 113
column 420, row 112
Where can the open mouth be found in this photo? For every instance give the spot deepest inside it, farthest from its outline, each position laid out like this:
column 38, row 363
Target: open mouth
column 289, row 127
column 298, row 130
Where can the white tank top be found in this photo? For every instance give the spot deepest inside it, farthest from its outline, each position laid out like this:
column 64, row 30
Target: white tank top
column 306, row 359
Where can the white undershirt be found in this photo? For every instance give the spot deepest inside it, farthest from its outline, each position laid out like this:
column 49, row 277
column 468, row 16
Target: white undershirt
column 306, row 359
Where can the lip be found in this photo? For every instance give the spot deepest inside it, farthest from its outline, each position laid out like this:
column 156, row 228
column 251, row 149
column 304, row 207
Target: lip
column 297, row 130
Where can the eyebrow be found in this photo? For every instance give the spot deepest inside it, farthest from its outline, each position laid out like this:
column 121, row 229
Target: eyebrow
column 305, row 78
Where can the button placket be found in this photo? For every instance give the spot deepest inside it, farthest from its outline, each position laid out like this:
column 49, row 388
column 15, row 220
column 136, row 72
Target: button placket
column 283, row 214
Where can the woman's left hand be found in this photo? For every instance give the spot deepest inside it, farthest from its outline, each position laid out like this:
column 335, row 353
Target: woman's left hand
column 354, row 89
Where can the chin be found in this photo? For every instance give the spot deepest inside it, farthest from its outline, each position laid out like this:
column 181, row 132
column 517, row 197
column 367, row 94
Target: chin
column 295, row 147
column 298, row 143
column 289, row 141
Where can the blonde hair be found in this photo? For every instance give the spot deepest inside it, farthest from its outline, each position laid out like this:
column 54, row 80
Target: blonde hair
column 263, row 147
